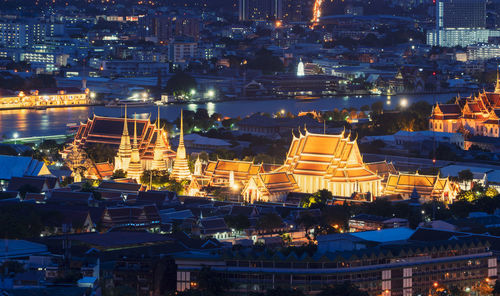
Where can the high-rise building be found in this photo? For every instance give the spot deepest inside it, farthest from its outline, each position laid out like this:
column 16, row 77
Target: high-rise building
column 27, row 32
column 259, row 10
column 164, row 28
column 465, row 14
column 460, row 23
column 297, row 10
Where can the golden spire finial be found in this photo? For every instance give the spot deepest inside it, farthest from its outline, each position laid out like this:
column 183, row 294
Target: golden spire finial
column 158, row 119
column 497, row 86
column 181, row 138
column 135, row 131
column 125, row 125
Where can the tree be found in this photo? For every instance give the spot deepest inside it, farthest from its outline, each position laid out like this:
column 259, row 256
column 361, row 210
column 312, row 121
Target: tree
column 27, row 188
column 10, row 268
column 496, row 288
column 378, row 107
column 238, row 222
column 181, row 83
column 119, row 174
column 269, row 222
column 283, row 292
column 317, row 200
column 211, row 283
column 466, row 176
column 345, row 289
column 266, row 62
column 100, row 152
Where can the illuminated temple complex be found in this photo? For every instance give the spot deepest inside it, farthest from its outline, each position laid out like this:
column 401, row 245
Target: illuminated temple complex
column 149, row 148
column 332, row 162
column 477, row 115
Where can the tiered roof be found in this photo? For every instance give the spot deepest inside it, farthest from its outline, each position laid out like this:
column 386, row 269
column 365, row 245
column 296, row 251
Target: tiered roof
column 335, row 157
column 108, row 130
column 275, row 183
column 427, row 186
column 222, row 168
column 382, row 168
column 484, row 107
column 102, row 170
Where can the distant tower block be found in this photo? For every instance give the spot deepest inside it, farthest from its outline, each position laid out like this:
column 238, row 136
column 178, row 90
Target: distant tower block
column 181, row 168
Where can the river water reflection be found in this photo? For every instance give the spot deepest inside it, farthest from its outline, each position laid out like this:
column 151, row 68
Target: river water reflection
column 53, row 121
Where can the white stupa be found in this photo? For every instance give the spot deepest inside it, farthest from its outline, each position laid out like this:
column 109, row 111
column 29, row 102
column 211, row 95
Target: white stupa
column 300, row 69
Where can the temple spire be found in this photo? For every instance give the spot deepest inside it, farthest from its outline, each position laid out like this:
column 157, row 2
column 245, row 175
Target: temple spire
column 497, row 86
column 181, row 139
column 135, row 166
column 134, row 145
column 122, row 158
column 125, row 126
column 181, row 168
column 159, row 149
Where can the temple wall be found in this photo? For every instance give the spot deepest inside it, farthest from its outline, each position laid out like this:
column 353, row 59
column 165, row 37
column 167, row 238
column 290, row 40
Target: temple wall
column 311, row 184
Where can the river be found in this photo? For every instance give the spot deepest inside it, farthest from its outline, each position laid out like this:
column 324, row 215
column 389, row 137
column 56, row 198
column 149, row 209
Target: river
column 53, row 121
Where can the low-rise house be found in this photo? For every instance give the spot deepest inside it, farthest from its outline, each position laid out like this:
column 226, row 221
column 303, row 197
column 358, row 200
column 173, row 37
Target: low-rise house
column 214, row 227
column 124, row 187
column 40, row 184
column 365, row 222
column 137, row 217
column 19, row 166
column 159, row 198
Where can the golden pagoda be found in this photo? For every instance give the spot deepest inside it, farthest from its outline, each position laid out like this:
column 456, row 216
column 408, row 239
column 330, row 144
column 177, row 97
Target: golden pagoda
column 135, row 167
column 181, row 168
column 122, row 159
column 159, row 149
column 332, row 162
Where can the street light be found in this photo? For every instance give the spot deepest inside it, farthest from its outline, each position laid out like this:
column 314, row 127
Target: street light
column 193, row 92
column 403, row 103
column 15, row 136
column 210, row 93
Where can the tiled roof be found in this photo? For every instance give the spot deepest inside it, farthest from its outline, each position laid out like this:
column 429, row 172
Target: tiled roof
column 18, row 166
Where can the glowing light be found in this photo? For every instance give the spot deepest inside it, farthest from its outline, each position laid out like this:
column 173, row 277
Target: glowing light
column 15, row 135
column 278, row 24
column 316, row 12
column 403, row 103
column 300, row 69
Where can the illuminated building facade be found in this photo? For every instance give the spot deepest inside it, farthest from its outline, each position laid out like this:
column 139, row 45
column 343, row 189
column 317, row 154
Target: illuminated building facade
column 400, row 269
column 46, row 98
column 477, row 115
column 332, row 162
column 428, row 187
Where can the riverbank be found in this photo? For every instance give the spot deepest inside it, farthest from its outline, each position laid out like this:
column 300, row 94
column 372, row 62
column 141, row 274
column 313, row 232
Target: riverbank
column 49, row 106
column 53, row 121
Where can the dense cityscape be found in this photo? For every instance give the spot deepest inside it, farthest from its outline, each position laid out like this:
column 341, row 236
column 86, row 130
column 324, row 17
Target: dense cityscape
column 249, row 147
